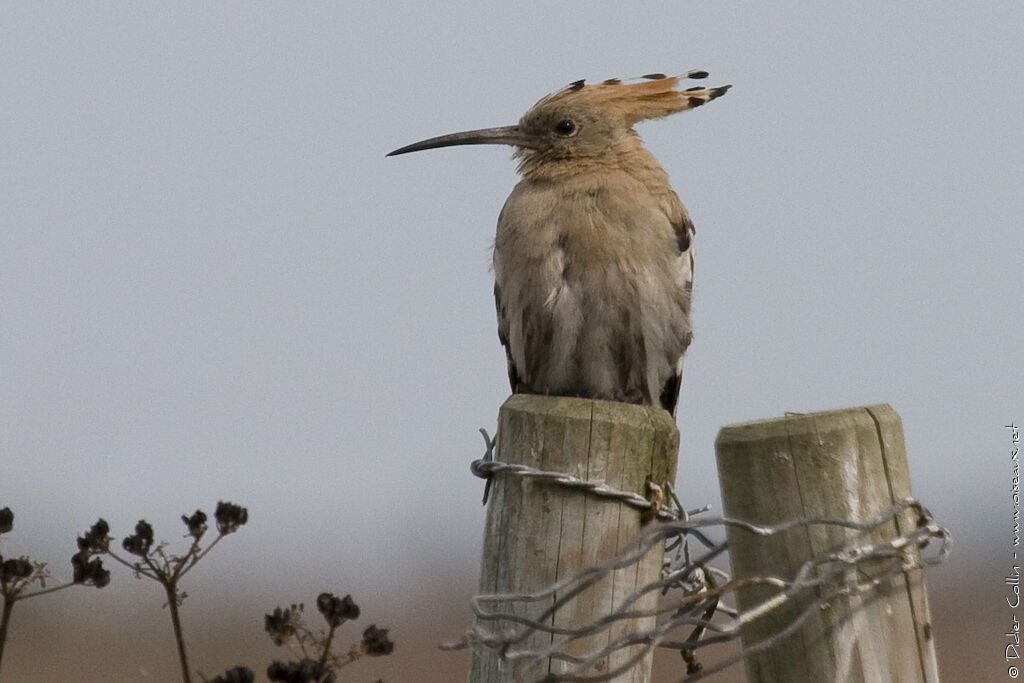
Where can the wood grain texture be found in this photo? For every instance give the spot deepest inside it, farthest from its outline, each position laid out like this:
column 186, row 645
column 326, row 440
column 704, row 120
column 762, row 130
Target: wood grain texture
column 849, row 464
column 538, row 533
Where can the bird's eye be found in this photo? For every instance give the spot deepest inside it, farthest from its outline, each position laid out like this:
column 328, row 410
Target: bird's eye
column 565, row 127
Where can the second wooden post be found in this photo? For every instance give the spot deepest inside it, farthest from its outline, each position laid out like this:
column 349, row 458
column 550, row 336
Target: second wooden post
column 845, row 464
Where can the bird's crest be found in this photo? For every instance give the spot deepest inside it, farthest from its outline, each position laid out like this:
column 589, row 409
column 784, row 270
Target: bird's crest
column 648, row 97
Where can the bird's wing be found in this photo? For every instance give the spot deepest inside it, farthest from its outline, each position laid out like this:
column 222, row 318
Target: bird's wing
column 685, row 233
column 513, row 372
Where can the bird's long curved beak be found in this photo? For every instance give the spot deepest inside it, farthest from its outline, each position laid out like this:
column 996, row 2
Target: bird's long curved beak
column 502, row 135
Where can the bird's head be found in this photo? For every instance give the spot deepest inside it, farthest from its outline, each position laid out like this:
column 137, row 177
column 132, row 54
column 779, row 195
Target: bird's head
column 584, row 121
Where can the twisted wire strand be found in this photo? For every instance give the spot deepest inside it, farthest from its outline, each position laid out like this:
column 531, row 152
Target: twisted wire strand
column 693, row 593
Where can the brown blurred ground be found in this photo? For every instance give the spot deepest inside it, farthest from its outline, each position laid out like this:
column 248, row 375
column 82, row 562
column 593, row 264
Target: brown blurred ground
column 126, row 637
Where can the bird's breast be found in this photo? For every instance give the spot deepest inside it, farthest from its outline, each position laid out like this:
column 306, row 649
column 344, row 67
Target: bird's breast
column 593, row 223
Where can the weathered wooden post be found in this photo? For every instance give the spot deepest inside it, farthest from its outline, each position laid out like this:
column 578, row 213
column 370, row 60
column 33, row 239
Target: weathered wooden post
column 849, row 464
column 538, row 533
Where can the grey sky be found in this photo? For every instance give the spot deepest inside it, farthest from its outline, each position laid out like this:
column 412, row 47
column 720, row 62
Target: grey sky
column 214, row 285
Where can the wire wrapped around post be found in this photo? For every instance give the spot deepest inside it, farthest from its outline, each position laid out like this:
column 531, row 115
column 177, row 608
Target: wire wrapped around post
column 540, row 531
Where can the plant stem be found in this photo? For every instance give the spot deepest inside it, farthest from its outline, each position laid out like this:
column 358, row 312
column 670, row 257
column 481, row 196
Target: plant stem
column 197, row 555
column 44, row 591
column 172, row 605
column 4, row 620
column 134, row 566
column 327, row 646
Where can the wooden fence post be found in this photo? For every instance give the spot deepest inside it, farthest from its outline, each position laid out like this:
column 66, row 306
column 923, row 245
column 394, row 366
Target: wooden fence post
column 538, row 533
column 849, row 464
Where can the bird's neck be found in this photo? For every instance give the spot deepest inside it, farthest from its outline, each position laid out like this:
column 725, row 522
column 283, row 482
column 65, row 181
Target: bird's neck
column 628, row 156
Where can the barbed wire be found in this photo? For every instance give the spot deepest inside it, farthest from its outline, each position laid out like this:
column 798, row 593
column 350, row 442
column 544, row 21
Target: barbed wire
column 487, row 466
column 692, row 594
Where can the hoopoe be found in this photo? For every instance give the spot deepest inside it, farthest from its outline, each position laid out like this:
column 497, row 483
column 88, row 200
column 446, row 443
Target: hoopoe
column 593, row 258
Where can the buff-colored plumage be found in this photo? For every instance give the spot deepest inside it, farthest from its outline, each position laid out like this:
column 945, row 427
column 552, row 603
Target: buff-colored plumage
column 593, row 258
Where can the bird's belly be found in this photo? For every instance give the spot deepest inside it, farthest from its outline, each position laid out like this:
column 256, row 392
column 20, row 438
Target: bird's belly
column 594, row 332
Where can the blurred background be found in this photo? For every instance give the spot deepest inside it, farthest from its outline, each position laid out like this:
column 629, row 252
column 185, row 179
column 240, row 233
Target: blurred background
column 213, row 286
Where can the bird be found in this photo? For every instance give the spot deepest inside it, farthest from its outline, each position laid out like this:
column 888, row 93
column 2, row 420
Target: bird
column 594, row 252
